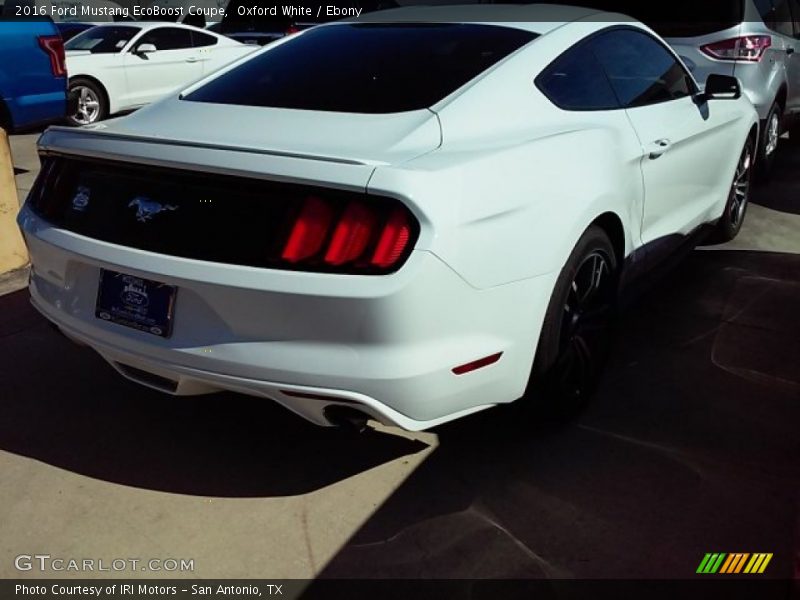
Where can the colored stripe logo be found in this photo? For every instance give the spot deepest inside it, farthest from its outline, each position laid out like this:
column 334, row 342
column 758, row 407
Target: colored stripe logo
column 737, row 562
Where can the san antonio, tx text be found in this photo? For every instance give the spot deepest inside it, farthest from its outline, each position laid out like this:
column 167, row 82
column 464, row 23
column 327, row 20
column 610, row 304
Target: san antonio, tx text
column 126, row 589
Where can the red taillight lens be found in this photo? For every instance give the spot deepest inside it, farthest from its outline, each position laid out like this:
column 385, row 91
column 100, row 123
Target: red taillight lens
column 352, row 234
column 309, row 230
column 349, row 236
column 53, row 45
column 748, row 48
column 393, row 240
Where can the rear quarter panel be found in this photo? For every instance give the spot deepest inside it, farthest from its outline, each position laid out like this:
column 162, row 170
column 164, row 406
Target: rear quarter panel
column 517, row 180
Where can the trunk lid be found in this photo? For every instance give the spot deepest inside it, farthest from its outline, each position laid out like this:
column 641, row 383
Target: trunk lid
column 315, row 135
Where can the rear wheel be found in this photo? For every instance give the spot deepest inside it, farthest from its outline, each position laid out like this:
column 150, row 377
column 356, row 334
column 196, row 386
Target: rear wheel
column 730, row 223
column 576, row 335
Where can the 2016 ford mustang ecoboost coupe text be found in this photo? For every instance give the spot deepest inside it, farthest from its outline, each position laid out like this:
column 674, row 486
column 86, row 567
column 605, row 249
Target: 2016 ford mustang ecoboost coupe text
column 415, row 218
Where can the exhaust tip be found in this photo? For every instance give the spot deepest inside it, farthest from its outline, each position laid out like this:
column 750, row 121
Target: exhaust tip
column 346, row 417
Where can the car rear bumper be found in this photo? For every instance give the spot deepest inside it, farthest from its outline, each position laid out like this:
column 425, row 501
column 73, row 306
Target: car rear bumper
column 385, row 345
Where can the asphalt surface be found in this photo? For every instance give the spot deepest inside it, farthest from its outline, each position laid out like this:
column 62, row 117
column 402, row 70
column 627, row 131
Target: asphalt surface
column 691, row 446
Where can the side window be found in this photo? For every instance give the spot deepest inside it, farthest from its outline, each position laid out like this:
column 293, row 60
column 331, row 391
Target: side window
column 200, row 40
column 795, row 5
column 167, row 38
column 765, row 11
column 642, row 71
column 783, row 18
column 576, row 81
column 777, row 15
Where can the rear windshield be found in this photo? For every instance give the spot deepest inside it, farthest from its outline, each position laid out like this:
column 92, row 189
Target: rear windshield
column 365, row 68
column 674, row 18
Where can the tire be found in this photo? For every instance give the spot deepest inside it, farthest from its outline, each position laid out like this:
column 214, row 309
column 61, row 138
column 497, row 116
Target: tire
column 575, row 339
column 730, row 223
column 768, row 144
column 92, row 105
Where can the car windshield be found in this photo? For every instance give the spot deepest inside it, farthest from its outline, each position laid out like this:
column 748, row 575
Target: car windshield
column 103, row 40
column 365, row 68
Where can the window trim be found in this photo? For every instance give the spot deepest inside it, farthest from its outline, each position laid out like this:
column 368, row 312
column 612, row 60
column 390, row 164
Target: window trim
column 694, row 85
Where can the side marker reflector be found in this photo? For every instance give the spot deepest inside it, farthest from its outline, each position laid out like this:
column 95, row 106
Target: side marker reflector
column 477, row 364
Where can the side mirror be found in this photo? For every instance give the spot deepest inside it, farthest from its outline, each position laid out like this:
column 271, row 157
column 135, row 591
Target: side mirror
column 722, row 87
column 142, row 50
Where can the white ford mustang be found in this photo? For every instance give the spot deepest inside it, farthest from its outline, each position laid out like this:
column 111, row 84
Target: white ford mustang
column 122, row 66
column 411, row 219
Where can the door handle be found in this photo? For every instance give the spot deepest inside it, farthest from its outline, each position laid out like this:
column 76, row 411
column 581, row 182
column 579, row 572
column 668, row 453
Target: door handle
column 657, row 148
column 192, row 59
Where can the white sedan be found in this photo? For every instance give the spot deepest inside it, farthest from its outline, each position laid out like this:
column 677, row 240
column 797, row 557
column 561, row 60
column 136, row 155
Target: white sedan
column 116, row 67
column 409, row 220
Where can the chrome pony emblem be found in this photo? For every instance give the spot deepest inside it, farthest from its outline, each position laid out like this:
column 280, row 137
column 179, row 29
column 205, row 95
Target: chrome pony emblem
column 146, row 208
column 81, row 199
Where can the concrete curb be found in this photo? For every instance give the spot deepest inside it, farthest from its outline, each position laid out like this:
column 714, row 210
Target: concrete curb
column 14, row 281
column 13, row 254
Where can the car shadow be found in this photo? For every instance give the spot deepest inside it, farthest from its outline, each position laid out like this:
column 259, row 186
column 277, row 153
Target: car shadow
column 690, row 446
column 780, row 192
column 63, row 405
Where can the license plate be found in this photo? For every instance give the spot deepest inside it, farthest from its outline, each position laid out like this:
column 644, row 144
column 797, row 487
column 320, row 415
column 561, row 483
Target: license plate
column 135, row 302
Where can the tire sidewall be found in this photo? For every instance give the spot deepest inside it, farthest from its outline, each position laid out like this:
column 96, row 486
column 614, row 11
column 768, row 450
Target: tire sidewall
column 539, row 391
column 725, row 230
column 765, row 162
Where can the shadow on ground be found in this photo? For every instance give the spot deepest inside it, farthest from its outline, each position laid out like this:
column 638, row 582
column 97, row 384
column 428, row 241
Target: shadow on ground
column 63, row 405
column 691, row 446
column 780, row 193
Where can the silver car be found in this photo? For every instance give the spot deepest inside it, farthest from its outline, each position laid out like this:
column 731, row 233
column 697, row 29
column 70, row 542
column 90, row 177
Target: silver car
column 754, row 40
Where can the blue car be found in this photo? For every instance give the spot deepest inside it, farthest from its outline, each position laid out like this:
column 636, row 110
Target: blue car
column 33, row 86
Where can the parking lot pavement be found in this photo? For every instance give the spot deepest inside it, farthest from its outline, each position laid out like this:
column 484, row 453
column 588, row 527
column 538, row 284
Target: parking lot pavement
column 26, row 162
column 690, row 447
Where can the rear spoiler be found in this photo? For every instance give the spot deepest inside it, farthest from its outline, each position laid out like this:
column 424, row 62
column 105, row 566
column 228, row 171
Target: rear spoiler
column 253, row 163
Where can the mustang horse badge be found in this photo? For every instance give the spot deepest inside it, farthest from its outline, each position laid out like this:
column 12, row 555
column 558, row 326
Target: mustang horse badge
column 146, row 208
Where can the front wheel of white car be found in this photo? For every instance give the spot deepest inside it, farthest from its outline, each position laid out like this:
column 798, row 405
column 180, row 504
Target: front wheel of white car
column 577, row 331
column 730, row 223
column 90, row 102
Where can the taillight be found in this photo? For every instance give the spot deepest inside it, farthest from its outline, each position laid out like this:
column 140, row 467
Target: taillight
column 393, row 240
column 352, row 234
column 53, row 45
column 748, row 48
column 309, row 230
column 357, row 236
